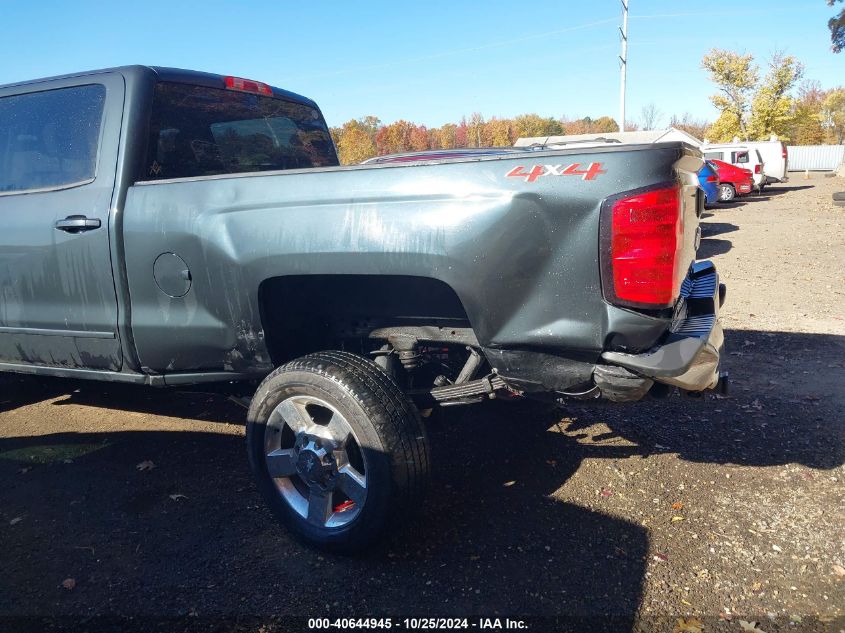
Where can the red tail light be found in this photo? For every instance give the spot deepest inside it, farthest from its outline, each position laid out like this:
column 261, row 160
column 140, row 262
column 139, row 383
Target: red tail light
column 757, row 168
column 711, row 178
column 784, row 153
column 248, row 85
column 642, row 244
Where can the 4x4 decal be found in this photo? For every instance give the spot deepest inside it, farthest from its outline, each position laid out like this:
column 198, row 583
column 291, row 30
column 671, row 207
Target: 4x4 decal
column 536, row 171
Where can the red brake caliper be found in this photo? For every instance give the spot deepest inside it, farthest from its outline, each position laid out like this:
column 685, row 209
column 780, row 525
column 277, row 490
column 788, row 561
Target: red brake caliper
column 346, row 505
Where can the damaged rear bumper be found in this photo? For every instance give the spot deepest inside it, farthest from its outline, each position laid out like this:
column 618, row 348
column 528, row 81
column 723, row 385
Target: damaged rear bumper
column 687, row 356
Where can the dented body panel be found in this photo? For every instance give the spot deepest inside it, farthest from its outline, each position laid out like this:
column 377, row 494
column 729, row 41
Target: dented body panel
column 522, row 257
column 168, row 288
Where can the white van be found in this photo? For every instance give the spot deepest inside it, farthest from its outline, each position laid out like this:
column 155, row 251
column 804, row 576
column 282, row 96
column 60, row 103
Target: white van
column 740, row 155
column 775, row 159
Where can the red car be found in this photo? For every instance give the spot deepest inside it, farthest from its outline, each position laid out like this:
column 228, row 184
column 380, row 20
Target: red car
column 733, row 181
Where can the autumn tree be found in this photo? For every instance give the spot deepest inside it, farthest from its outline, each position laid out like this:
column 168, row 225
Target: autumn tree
column 736, row 77
column 434, row 138
column 418, row 138
column 394, row 138
column 579, row 126
column 355, row 146
column 475, row 129
column 461, row 133
column 771, row 107
column 750, row 107
column 527, row 125
column 499, row 132
column 726, row 128
column 354, row 140
column 833, row 116
column 806, row 126
column 370, row 124
column 447, row 136
column 605, row 124
column 686, row 122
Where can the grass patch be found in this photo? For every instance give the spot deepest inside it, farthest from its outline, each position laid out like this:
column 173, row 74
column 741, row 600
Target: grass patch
column 48, row 453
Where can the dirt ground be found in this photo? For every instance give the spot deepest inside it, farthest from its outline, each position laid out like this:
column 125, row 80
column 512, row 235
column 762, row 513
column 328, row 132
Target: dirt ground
column 714, row 510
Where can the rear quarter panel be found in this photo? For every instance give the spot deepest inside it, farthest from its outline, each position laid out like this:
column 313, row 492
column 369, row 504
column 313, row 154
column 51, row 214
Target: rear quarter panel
column 521, row 256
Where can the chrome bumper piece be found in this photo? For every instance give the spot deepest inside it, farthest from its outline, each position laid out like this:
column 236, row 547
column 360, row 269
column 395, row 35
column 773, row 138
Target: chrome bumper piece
column 688, row 356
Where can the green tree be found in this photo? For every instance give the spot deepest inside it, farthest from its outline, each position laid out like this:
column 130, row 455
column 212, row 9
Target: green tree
column 772, row 106
column 736, row 77
column 836, row 24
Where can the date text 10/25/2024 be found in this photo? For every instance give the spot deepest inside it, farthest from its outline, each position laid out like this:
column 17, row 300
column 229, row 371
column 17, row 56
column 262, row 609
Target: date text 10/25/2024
column 416, row 623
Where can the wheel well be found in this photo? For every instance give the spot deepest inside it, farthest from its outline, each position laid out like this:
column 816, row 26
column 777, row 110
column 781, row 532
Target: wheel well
column 301, row 314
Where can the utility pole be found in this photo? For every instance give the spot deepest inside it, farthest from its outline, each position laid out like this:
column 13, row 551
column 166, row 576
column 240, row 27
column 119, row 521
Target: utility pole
column 624, row 67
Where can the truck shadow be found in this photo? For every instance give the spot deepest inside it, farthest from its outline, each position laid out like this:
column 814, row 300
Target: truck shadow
column 773, row 191
column 711, row 246
column 784, row 407
column 500, row 533
column 191, row 535
column 778, row 189
column 711, row 229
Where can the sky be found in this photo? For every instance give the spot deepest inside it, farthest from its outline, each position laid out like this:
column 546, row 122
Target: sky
column 429, row 62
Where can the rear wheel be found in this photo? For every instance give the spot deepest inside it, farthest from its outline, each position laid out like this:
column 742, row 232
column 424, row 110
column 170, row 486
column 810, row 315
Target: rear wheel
column 726, row 192
column 337, row 449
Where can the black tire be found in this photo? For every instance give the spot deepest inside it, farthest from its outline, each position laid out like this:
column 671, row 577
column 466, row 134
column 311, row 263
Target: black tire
column 385, row 424
column 727, row 193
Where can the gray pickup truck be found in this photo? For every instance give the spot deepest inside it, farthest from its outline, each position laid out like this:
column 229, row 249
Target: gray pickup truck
column 169, row 227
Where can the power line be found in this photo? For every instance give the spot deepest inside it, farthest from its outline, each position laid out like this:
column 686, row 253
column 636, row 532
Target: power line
column 458, row 51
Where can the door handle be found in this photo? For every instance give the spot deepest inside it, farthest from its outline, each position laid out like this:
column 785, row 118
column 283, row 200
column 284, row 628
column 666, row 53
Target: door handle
column 77, row 224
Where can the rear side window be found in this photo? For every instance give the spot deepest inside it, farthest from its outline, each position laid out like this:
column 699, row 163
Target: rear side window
column 712, row 155
column 49, row 139
column 201, row 131
column 738, row 158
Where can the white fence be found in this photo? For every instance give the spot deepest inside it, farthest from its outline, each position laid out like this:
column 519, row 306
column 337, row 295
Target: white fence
column 815, row 157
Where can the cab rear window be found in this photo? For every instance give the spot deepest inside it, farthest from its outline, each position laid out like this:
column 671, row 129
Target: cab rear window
column 202, row 131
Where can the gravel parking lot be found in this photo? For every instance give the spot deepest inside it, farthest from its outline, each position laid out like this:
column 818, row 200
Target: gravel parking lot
column 714, row 509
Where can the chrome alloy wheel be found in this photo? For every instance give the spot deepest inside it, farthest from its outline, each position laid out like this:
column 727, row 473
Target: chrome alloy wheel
column 315, row 461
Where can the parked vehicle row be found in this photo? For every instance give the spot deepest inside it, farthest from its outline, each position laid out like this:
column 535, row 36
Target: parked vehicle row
column 733, row 181
column 742, row 168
